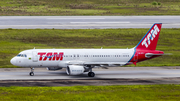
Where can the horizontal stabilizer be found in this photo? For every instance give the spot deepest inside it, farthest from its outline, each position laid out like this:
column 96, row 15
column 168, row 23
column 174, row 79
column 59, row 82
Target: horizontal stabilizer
column 148, row 55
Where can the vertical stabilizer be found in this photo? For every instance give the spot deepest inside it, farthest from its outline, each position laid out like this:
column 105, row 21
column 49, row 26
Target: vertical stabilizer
column 149, row 41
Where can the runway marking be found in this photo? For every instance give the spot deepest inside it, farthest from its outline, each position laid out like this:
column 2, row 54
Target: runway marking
column 75, row 18
column 98, row 22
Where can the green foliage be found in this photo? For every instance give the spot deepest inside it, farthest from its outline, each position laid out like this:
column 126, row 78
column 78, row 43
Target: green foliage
column 154, row 3
column 88, row 7
column 13, row 41
column 92, row 93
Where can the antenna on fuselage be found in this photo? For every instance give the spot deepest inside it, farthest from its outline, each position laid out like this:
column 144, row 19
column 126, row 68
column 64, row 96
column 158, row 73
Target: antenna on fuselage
column 34, row 47
column 101, row 47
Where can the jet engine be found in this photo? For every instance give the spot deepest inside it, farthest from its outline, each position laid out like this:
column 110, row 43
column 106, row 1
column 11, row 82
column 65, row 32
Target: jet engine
column 75, row 70
column 54, row 68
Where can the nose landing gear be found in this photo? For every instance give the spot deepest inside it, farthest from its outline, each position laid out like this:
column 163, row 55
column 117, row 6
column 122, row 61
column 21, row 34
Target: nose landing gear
column 32, row 72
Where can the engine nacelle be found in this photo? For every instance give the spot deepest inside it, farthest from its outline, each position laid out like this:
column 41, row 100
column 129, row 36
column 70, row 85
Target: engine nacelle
column 54, row 68
column 74, row 70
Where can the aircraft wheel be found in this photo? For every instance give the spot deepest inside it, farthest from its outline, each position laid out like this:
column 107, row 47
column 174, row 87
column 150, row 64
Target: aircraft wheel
column 31, row 74
column 91, row 74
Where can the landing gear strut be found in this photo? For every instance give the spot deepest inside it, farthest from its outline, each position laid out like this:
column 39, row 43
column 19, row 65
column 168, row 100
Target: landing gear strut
column 32, row 72
column 91, row 74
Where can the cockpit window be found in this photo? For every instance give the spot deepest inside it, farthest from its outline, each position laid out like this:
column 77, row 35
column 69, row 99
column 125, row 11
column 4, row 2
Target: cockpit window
column 21, row 55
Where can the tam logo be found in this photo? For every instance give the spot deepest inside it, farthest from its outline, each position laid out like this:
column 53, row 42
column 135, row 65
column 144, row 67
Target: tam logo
column 150, row 36
column 52, row 56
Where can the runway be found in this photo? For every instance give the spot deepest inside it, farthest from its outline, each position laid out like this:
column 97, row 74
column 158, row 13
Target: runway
column 111, row 76
column 86, row 22
column 110, row 73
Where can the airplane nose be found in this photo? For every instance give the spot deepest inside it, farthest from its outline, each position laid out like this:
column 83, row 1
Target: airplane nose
column 13, row 61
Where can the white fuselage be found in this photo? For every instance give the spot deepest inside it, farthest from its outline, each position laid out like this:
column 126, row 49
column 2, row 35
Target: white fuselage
column 49, row 57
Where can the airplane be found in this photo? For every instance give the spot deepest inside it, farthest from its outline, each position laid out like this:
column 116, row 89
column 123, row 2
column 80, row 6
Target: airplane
column 78, row 61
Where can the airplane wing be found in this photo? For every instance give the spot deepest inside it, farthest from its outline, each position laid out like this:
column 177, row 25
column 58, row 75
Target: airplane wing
column 97, row 63
column 104, row 63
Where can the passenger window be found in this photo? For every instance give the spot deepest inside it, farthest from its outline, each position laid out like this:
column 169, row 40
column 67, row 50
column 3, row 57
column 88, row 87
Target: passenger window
column 18, row 55
column 21, row 55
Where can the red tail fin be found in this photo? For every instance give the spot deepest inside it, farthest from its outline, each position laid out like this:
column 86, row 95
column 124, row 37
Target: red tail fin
column 149, row 41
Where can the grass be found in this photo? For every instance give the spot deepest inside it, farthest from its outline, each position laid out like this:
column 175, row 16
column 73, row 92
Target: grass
column 13, row 41
column 95, row 93
column 88, row 7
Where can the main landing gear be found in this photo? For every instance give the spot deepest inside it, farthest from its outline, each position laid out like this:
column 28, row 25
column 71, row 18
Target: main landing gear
column 32, row 72
column 91, row 74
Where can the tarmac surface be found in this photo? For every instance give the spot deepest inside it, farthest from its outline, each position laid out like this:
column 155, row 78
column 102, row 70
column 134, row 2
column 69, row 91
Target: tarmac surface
column 86, row 22
column 110, row 76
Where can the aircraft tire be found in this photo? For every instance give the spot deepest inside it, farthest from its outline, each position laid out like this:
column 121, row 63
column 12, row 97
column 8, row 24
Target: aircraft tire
column 31, row 74
column 91, row 74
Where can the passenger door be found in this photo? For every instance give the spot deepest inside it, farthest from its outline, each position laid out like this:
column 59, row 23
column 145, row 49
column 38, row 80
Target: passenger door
column 34, row 56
